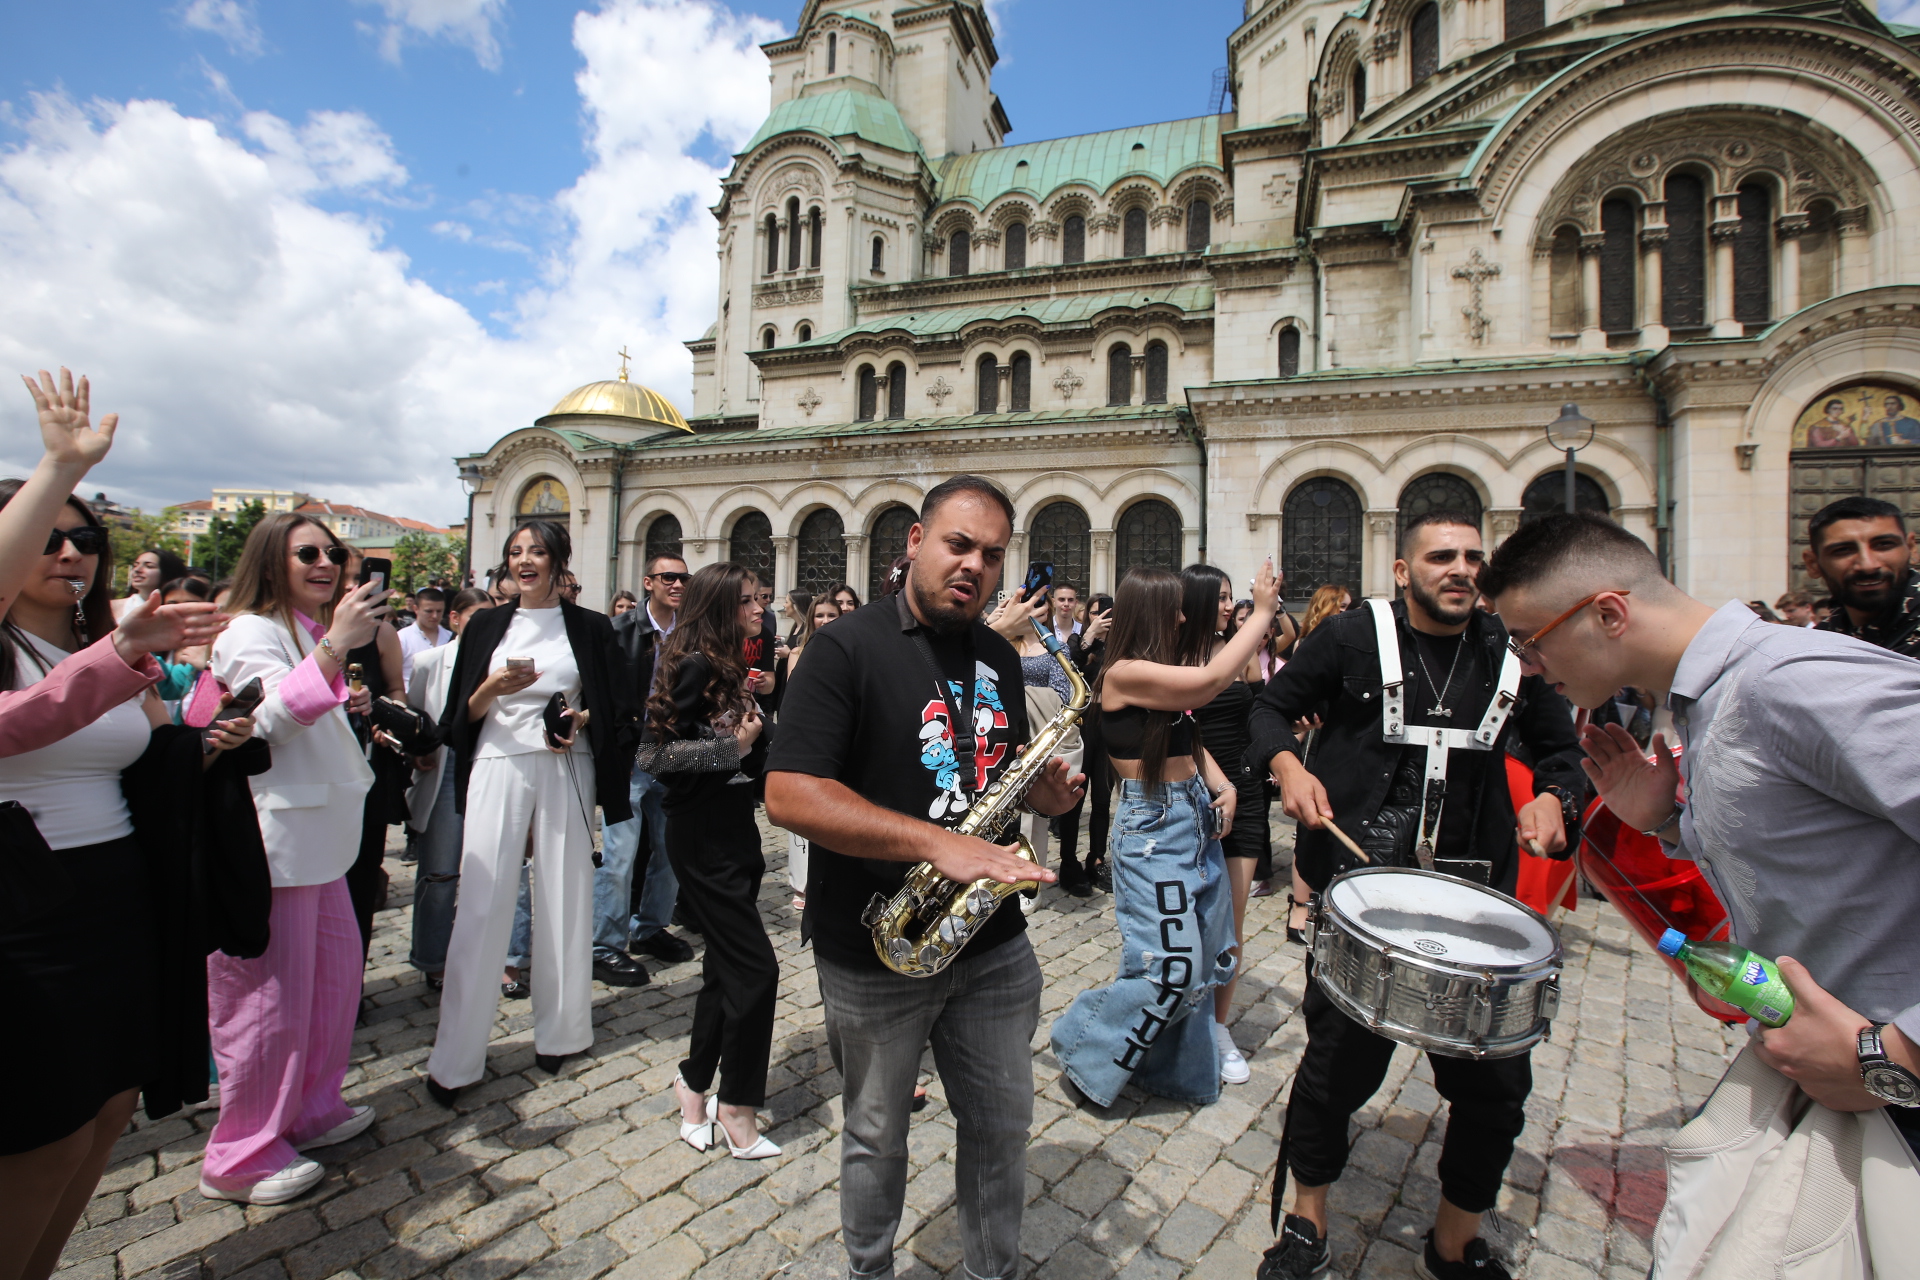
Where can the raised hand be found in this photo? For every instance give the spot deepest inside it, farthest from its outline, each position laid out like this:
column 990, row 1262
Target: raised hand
column 66, row 428
column 151, row 627
column 356, row 617
column 1266, row 588
column 1641, row 792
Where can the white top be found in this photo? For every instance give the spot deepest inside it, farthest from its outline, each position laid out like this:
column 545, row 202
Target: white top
column 414, row 642
column 516, row 724
column 72, row 788
column 427, row 691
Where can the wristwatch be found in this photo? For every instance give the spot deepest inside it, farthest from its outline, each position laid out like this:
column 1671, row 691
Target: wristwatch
column 1570, row 810
column 1885, row 1079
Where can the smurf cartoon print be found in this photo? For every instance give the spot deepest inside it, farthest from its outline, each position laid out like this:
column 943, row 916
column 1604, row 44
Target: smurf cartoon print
column 936, row 744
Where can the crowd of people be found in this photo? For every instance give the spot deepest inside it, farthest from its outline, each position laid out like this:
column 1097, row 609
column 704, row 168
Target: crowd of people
column 234, row 855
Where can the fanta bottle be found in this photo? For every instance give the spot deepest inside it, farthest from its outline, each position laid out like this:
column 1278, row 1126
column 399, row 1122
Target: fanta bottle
column 1744, row 980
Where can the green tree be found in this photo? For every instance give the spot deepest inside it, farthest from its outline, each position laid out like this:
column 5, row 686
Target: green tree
column 219, row 551
column 145, row 533
column 419, row 557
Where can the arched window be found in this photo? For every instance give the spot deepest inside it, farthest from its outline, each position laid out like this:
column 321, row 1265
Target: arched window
column 1437, row 491
column 1423, row 37
column 896, row 390
column 1199, row 226
column 958, row 252
column 1021, row 396
column 986, row 397
column 1073, row 239
column 1320, row 538
column 1061, row 536
column 1816, row 254
column 752, row 543
column 1147, row 537
column 794, row 232
column 887, row 543
column 869, row 394
column 1156, row 373
column 1133, row 236
column 1120, row 374
column 663, row 539
column 773, row 244
column 1563, row 288
column 1524, row 17
column 1357, row 86
column 1016, row 246
column 1547, row 495
column 820, row 554
column 1619, row 264
column 1289, row 352
column 1753, row 255
column 1683, row 266
column 879, row 255
column 805, row 333
column 816, row 229
column 833, row 48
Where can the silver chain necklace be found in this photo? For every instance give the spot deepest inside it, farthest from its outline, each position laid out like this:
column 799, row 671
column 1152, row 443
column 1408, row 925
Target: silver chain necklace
column 1440, row 692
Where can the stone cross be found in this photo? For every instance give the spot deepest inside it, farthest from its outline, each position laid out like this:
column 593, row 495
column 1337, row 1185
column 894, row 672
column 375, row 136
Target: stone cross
column 1068, row 382
column 1476, row 273
column 940, row 390
column 809, row 401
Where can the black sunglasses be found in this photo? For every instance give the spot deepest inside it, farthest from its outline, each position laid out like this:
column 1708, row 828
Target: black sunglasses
column 310, row 554
column 671, row 578
column 86, row 540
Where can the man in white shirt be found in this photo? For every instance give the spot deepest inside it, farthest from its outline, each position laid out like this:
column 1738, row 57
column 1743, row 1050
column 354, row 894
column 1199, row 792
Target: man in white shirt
column 1066, row 611
column 425, row 632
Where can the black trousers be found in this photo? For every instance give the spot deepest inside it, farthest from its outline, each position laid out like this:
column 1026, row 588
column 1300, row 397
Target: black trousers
column 367, row 877
column 714, row 847
column 1343, row 1067
column 1098, row 766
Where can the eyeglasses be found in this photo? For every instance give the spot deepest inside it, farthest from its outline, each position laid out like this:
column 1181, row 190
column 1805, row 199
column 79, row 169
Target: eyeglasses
column 86, row 540
column 310, row 554
column 1524, row 649
column 673, row 579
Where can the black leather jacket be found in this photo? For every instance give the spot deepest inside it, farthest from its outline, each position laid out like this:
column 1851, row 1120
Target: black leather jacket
column 1336, row 672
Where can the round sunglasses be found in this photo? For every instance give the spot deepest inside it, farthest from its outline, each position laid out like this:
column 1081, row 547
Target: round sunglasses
column 86, row 540
column 310, row 554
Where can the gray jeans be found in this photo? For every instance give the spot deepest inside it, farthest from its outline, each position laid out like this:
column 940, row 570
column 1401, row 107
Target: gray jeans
column 980, row 1016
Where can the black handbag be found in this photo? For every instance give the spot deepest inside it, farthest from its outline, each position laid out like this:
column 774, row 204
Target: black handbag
column 417, row 735
column 33, row 879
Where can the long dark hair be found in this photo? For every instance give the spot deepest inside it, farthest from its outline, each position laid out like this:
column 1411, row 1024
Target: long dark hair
column 261, row 583
column 709, row 625
column 1200, row 603
column 95, row 618
column 172, row 567
column 1146, row 613
column 552, row 535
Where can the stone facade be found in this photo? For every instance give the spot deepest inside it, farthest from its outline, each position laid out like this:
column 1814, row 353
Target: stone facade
column 1279, row 330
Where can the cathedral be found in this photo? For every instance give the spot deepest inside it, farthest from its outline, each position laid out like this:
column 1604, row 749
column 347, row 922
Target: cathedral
column 1430, row 247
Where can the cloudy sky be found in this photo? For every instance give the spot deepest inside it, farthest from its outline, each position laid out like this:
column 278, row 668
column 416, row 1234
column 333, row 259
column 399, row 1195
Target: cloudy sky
column 329, row 244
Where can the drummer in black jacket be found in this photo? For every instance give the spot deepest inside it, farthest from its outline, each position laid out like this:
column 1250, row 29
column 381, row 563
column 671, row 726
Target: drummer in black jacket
column 1454, row 668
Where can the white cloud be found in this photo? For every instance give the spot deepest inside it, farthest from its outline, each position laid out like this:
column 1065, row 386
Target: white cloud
column 470, row 23
column 232, row 20
column 248, row 335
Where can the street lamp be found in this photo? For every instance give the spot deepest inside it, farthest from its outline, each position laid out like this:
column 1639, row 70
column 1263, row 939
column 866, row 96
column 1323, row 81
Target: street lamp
column 1572, row 431
column 470, row 477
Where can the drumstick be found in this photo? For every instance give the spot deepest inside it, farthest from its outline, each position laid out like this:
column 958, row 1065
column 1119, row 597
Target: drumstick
column 1347, row 840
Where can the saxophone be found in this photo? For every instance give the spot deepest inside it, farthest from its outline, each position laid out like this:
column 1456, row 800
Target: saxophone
column 922, row 928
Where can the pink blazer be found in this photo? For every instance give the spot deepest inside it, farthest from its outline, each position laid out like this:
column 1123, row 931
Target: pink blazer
column 78, row 691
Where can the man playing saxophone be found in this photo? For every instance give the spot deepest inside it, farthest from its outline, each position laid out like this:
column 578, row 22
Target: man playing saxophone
column 869, row 768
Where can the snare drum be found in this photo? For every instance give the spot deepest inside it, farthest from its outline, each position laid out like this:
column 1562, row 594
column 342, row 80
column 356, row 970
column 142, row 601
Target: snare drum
column 1436, row 962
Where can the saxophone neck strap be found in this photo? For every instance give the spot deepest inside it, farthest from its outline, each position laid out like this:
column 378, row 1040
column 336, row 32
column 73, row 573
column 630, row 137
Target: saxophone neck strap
column 960, row 716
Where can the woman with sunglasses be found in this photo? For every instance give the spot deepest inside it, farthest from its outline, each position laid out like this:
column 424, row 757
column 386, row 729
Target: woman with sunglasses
column 283, row 1022
column 540, row 717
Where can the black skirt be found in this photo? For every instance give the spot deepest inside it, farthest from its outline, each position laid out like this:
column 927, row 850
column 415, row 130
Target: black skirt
column 81, row 977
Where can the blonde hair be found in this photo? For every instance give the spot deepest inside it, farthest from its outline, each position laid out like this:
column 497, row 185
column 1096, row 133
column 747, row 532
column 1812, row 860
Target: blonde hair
column 1325, row 603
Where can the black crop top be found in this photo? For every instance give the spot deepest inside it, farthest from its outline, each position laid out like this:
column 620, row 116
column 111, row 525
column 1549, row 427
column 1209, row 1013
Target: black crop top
column 1125, row 730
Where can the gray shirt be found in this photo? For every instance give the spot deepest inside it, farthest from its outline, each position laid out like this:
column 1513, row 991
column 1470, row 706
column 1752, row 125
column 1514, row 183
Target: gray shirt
column 1803, row 802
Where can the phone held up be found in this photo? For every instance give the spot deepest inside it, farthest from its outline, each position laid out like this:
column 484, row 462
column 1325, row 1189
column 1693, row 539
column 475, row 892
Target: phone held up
column 1039, row 581
column 376, row 569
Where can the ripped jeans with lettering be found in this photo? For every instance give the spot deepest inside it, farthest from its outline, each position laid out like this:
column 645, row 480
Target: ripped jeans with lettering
column 1154, row 1024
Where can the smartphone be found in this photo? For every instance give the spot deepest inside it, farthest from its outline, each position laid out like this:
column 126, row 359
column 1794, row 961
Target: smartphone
column 375, row 569
column 1100, row 604
column 520, row 664
column 244, row 702
column 1039, row 580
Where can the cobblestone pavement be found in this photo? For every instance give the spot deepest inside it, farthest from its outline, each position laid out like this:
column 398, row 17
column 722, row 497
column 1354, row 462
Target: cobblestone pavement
column 580, row 1177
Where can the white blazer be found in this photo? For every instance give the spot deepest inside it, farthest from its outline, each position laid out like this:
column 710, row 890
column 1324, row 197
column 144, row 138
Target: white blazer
column 427, row 691
column 310, row 802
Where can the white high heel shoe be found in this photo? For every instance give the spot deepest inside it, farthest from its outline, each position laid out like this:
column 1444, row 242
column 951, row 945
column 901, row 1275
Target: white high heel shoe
column 698, row 1136
column 761, row 1148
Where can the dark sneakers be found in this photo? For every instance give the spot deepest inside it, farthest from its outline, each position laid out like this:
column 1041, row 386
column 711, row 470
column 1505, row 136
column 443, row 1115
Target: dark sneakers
column 1476, row 1263
column 663, row 947
column 617, row 970
column 1298, row 1253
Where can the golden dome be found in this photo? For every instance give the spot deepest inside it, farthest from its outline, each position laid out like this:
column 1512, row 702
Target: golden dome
column 621, row 399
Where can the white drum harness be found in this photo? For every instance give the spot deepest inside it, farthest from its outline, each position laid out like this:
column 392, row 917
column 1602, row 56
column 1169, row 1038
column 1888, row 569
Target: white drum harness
column 1395, row 729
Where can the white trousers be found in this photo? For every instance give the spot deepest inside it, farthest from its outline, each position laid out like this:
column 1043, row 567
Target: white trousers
column 513, row 803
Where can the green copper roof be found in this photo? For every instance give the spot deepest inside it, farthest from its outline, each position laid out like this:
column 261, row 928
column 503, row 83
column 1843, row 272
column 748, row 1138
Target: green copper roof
column 1064, row 312
column 1159, row 151
column 680, row 440
column 840, row 113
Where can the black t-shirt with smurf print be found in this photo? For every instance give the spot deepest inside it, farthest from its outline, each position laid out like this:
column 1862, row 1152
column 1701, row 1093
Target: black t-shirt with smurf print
column 864, row 709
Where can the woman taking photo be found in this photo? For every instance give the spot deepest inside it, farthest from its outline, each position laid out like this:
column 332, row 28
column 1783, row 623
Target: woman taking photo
column 430, row 802
column 703, row 722
column 283, row 1022
column 539, row 719
column 1169, row 876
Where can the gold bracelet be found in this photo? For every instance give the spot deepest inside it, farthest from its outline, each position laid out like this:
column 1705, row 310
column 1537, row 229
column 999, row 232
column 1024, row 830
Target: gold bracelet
column 327, row 644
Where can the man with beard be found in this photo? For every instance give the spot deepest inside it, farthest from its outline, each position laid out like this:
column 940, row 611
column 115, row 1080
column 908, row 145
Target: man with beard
column 1861, row 549
column 1452, row 659
column 902, row 715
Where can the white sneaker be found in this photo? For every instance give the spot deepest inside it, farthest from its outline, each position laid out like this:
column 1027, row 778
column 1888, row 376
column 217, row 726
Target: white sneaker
column 296, row 1179
column 1233, row 1067
column 352, row 1127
